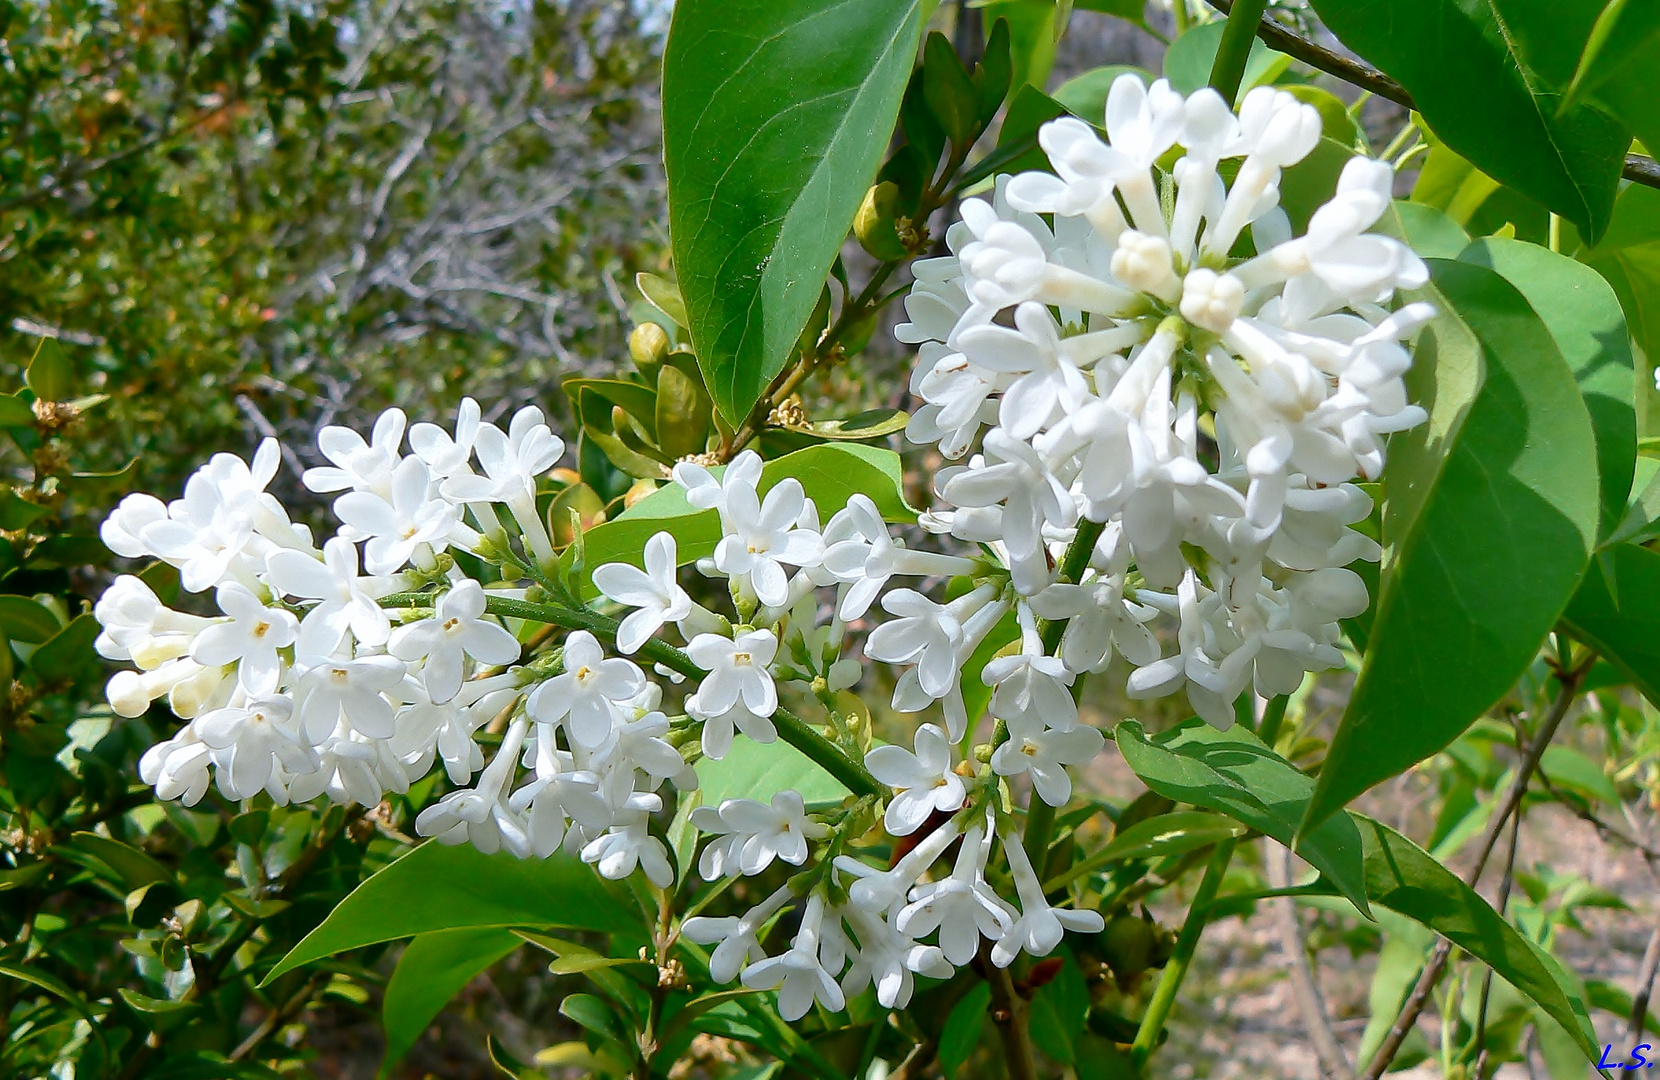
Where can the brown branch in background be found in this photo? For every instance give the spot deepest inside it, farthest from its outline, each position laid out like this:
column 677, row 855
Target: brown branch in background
column 1645, row 985
column 1501, row 905
column 1511, row 802
column 1009, row 1012
column 1637, row 168
column 1305, row 988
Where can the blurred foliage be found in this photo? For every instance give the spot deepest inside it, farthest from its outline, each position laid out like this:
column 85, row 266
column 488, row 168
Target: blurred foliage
column 253, row 217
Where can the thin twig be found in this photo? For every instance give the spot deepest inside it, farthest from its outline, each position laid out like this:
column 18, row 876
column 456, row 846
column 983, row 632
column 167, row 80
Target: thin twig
column 1487, row 979
column 1305, row 989
column 1009, row 1014
column 1637, row 168
column 1437, row 963
column 1645, row 985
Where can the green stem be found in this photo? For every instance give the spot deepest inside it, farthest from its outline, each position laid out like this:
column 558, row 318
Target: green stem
column 1183, row 19
column 1040, row 825
column 1237, row 36
column 791, row 728
column 1187, row 942
column 1273, row 716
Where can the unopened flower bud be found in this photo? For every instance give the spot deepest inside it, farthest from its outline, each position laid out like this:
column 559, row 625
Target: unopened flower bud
column 1143, row 263
column 1211, row 300
column 647, row 345
column 876, row 224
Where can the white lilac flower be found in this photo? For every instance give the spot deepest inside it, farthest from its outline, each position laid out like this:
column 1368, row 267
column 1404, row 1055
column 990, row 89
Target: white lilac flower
column 512, row 462
column 137, row 626
column 178, row 767
column 347, row 600
column 960, row 906
column 250, row 639
column 653, row 592
column 585, row 697
column 398, row 523
column 1040, row 926
column 860, row 553
column 444, row 454
column 752, row 834
column 253, row 742
column 1044, row 753
column 456, row 630
column 923, row 781
column 358, row 465
column 349, row 690
column 763, row 537
column 800, row 975
column 737, row 672
column 483, row 815
column 735, row 937
column 628, row 845
column 888, row 959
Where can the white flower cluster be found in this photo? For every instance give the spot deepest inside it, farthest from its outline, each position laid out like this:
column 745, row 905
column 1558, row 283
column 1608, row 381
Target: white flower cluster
column 1122, row 373
column 870, row 935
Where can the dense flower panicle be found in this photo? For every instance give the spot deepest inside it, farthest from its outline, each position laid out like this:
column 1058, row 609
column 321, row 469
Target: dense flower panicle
column 1094, row 353
column 1095, row 361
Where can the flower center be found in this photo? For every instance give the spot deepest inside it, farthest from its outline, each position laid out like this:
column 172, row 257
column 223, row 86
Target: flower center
column 452, row 625
column 261, row 629
column 584, row 673
column 340, row 675
column 741, row 659
column 1029, row 748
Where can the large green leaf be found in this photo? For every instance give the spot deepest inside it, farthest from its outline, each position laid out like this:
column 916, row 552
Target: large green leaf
column 1235, row 773
column 436, row 887
column 432, row 970
column 1621, row 620
column 752, row 770
column 1584, row 317
column 1470, row 67
column 775, row 116
column 830, row 473
column 1491, row 514
column 1402, row 877
column 1629, row 258
column 1188, row 61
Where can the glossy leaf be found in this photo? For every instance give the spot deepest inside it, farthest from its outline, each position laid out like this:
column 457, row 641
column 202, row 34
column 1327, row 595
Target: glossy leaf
column 1031, row 37
column 683, row 412
column 132, row 867
column 1499, row 488
column 1477, row 90
column 1175, row 833
column 752, row 770
column 1628, row 258
column 871, row 424
column 1232, row 772
column 68, row 653
column 775, row 117
column 15, row 412
column 963, row 1028
column 1402, row 877
column 829, row 473
column 431, row 971
column 25, row 620
column 637, row 400
column 1621, row 621
column 1086, row 95
column 436, row 887
column 1583, row 316
column 1430, row 232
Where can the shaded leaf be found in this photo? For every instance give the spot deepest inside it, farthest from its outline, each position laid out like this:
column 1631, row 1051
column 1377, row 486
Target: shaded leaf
column 775, row 117
column 432, row 970
column 1499, row 487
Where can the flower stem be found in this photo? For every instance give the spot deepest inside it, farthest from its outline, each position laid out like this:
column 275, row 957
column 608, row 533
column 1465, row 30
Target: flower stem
column 1164, row 995
column 791, row 728
column 1273, row 715
column 1237, row 36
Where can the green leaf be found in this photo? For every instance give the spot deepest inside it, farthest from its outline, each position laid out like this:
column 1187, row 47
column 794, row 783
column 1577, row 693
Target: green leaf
column 1628, row 258
column 664, row 295
column 1175, row 833
column 67, row 653
column 1403, row 878
column 1031, row 37
column 1234, row 773
column 132, row 867
column 1429, row 231
column 19, row 513
column 752, row 770
column 1500, row 487
column 1462, row 62
column 963, row 1029
column 949, row 91
column 1017, row 145
column 22, row 619
column 829, row 473
column 1086, row 95
column 870, row 424
column 683, row 411
column 637, row 400
column 1188, row 61
column 593, row 1013
column 15, row 412
column 1566, row 767
column 1059, row 1008
column 436, row 887
column 432, row 970
column 58, row 988
column 1622, row 621
column 49, row 373
column 776, row 114
column 1584, row 318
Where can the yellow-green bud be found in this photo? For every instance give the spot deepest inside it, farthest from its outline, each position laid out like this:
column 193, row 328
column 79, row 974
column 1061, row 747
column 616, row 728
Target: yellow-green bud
column 647, row 345
column 876, row 225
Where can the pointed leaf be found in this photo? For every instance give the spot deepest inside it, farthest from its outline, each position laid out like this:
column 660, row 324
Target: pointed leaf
column 1498, row 489
column 436, row 887
column 1472, row 72
column 49, row 373
column 776, row 114
column 431, row 971
column 1621, row 621
column 1584, row 318
column 1234, row 773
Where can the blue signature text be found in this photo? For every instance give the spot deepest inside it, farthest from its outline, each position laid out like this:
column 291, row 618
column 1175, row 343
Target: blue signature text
column 1637, row 1059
